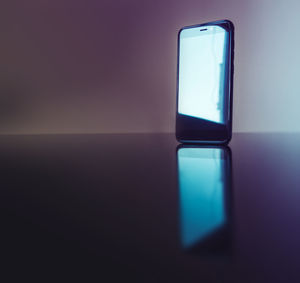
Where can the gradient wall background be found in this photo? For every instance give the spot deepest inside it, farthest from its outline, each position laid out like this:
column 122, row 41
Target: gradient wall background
column 110, row 65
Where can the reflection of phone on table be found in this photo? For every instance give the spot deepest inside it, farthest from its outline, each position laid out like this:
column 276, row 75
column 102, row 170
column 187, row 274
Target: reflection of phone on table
column 204, row 177
column 205, row 83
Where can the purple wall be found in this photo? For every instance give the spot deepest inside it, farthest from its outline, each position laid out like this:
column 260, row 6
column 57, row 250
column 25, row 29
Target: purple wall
column 110, row 66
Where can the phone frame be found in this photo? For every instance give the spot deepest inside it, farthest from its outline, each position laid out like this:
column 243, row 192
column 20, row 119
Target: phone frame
column 209, row 136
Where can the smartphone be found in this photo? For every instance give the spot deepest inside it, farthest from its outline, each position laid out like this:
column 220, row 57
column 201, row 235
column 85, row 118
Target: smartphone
column 205, row 83
column 205, row 212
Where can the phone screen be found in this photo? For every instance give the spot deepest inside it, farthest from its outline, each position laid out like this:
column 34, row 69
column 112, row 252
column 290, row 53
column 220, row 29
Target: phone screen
column 202, row 179
column 202, row 73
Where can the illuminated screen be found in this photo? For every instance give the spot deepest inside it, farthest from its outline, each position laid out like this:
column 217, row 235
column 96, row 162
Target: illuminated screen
column 201, row 73
column 201, row 192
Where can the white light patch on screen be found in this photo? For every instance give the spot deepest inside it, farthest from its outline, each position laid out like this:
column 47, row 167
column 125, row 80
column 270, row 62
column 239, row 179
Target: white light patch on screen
column 201, row 73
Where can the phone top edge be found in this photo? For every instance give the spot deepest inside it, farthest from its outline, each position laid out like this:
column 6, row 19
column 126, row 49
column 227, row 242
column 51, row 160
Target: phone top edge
column 219, row 22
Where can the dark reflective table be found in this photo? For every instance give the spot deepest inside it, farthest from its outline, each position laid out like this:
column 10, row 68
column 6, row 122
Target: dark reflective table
column 136, row 208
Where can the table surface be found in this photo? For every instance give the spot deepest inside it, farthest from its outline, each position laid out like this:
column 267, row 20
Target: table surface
column 110, row 207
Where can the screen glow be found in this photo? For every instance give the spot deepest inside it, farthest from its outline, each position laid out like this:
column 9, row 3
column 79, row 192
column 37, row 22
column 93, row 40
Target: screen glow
column 201, row 185
column 201, row 73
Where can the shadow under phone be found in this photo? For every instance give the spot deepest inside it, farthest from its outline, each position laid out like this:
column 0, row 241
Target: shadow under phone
column 204, row 183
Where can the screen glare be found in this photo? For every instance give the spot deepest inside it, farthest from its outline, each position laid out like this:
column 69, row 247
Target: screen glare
column 201, row 73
